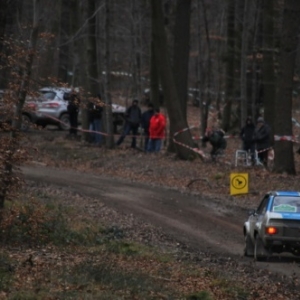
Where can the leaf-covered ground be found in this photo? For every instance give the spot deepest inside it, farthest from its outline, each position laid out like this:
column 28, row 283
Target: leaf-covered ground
column 73, row 247
column 94, row 252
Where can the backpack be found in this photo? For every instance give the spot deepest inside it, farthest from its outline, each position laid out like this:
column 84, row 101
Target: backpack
column 215, row 138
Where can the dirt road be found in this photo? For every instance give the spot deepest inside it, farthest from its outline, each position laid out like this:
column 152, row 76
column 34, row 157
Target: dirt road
column 202, row 224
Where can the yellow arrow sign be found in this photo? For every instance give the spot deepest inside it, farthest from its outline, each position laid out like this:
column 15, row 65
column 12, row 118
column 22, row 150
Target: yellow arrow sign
column 239, row 183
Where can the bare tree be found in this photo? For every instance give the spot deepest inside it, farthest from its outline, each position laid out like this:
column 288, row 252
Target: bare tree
column 244, row 62
column 177, row 119
column 64, row 35
column 92, row 57
column 269, row 90
column 205, row 105
column 284, row 157
column 108, row 103
column 25, row 76
column 230, row 64
column 3, row 14
column 181, row 50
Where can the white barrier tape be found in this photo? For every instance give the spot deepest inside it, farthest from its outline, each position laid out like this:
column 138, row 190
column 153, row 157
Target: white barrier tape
column 286, row 138
column 93, row 131
column 196, row 150
column 264, row 150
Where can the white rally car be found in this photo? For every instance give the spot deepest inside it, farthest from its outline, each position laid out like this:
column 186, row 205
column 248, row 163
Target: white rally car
column 274, row 227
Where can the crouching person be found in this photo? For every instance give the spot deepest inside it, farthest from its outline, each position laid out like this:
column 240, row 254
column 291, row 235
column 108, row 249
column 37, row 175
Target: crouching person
column 216, row 138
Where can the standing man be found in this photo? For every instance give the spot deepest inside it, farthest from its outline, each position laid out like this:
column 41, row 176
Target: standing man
column 146, row 117
column 157, row 131
column 262, row 141
column 246, row 135
column 133, row 117
column 73, row 109
column 95, row 119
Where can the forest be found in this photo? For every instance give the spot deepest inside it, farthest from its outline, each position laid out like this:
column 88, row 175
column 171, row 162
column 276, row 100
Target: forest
column 78, row 221
column 232, row 59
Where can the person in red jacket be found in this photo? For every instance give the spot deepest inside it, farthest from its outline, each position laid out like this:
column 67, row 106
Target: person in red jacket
column 156, row 131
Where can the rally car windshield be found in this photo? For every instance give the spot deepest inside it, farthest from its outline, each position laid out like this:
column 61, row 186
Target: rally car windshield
column 285, row 204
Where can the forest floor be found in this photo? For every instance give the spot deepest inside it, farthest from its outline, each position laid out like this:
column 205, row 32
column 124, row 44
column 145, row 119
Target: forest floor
column 122, row 224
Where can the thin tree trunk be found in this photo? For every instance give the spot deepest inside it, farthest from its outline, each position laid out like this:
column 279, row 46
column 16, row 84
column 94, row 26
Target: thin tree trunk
column 181, row 50
column 254, row 58
column 64, row 33
column 3, row 14
column 6, row 180
column 284, row 156
column 200, row 72
column 230, row 62
column 244, row 66
column 269, row 90
column 92, row 56
column 207, row 89
column 154, row 77
column 108, row 103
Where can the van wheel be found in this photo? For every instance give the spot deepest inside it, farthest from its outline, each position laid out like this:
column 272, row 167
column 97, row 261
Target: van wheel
column 64, row 122
column 26, row 121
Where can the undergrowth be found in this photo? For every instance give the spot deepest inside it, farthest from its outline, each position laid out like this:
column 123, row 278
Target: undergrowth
column 104, row 264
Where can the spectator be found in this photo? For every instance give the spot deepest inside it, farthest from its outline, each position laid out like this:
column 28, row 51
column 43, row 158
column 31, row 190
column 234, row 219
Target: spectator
column 146, row 116
column 95, row 119
column 73, row 109
column 262, row 141
column 216, row 138
column 157, row 131
column 246, row 134
column 133, row 119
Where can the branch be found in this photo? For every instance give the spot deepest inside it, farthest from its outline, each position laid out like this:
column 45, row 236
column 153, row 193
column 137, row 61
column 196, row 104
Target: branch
column 198, row 179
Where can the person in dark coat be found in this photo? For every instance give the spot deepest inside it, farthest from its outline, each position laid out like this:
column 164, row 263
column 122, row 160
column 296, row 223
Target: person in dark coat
column 246, row 135
column 145, row 122
column 73, row 109
column 216, row 138
column 262, row 140
column 95, row 110
column 133, row 117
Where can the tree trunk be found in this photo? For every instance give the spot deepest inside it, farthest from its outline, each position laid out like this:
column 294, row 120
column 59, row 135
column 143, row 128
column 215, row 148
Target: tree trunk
column 136, row 49
column 85, row 54
column 244, row 65
column 64, row 34
column 182, row 50
column 230, row 59
column 284, row 156
column 154, row 77
column 3, row 13
column 92, row 56
column 254, row 64
column 108, row 103
column 269, row 90
column 208, row 75
column 176, row 116
column 6, row 21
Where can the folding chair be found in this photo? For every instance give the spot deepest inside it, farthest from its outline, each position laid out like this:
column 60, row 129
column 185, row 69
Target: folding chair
column 244, row 157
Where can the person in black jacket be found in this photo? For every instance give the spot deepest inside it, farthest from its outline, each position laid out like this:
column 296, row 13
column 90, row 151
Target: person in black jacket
column 145, row 122
column 246, row 135
column 95, row 110
column 262, row 140
column 133, row 119
column 216, row 138
column 73, row 109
